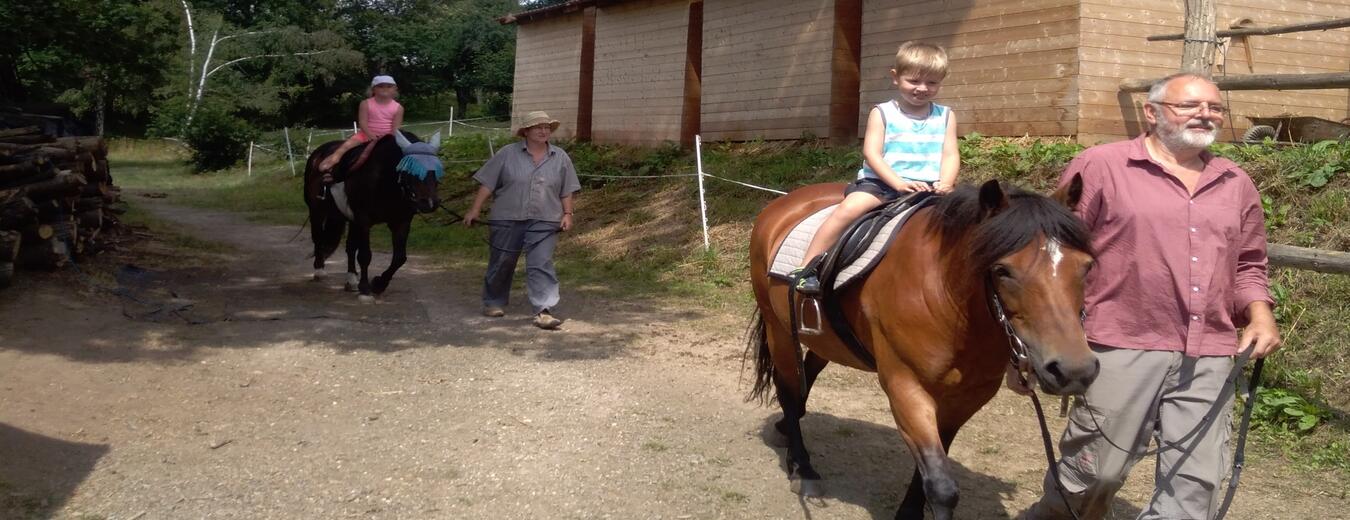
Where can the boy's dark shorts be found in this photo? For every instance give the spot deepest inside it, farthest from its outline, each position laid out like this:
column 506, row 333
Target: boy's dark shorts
column 875, row 187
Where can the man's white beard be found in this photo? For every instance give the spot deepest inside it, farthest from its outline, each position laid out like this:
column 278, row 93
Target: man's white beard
column 1179, row 137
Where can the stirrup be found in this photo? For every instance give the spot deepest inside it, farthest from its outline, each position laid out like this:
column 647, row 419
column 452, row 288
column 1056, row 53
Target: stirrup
column 802, row 327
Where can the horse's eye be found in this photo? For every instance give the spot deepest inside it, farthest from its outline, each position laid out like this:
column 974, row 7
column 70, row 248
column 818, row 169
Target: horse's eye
column 1002, row 271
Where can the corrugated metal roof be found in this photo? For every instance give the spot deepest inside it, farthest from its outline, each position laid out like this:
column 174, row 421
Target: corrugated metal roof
column 545, row 12
column 554, row 10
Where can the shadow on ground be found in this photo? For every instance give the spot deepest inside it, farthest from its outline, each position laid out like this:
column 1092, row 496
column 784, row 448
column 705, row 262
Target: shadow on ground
column 38, row 473
column 879, row 483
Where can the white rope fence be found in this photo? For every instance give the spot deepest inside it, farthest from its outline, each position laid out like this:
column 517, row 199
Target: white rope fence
column 698, row 153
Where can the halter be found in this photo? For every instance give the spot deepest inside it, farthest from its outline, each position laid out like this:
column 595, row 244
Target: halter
column 1018, row 356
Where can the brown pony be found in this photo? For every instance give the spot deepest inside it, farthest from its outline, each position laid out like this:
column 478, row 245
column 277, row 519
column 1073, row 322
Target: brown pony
column 925, row 316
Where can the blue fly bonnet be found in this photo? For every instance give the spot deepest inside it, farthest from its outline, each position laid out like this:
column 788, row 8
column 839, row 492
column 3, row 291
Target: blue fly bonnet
column 420, row 160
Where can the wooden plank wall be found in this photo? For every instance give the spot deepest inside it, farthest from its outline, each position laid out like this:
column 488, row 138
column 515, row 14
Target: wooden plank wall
column 548, row 70
column 1113, row 47
column 766, row 68
column 639, row 71
column 1013, row 63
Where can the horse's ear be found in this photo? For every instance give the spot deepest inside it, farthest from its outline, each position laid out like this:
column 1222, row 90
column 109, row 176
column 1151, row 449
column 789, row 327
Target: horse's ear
column 436, row 140
column 1070, row 193
column 992, row 198
column 402, row 141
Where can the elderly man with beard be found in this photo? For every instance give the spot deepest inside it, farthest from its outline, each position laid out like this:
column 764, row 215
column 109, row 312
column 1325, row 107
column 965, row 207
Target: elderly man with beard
column 1181, row 265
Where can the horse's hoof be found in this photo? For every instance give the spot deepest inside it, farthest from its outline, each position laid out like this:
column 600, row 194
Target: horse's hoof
column 353, row 283
column 318, row 274
column 351, row 287
column 379, row 284
column 808, row 487
column 366, row 298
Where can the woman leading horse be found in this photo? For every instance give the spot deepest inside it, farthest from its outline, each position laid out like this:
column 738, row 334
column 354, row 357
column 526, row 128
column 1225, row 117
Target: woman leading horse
column 925, row 314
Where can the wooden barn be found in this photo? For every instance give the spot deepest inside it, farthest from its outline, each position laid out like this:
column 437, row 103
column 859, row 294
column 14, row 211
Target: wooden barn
column 650, row 71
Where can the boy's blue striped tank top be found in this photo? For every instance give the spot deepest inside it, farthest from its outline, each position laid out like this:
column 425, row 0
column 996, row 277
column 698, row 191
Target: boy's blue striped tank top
column 913, row 147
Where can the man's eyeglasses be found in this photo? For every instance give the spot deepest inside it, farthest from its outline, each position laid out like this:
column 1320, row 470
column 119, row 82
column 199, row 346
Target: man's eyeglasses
column 1191, row 108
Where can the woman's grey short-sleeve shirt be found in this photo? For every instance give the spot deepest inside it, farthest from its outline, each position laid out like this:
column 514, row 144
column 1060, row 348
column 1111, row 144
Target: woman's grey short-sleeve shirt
column 523, row 191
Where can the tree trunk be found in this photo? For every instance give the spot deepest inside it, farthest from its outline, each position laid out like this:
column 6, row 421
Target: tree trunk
column 463, row 96
column 1197, row 53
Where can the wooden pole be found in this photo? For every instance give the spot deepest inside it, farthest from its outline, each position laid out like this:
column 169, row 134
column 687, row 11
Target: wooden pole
column 586, row 83
column 1259, row 82
column 1265, row 31
column 250, row 158
column 1197, row 51
column 1322, row 261
column 845, row 75
column 690, row 109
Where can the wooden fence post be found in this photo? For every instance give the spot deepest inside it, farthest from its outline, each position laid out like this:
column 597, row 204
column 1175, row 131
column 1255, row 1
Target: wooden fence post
column 1197, row 51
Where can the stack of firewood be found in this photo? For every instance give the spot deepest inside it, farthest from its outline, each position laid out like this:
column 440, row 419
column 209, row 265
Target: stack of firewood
column 56, row 196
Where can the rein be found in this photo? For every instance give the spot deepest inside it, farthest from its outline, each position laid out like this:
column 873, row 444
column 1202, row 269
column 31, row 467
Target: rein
column 1018, row 354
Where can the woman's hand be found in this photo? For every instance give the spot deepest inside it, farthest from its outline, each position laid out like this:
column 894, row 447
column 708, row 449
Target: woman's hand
column 907, row 186
column 471, row 216
column 942, row 188
column 567, row 222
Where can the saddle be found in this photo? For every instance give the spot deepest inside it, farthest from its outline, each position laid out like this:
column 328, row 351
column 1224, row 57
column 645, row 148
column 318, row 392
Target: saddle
column 858, row 251
column 351, row 160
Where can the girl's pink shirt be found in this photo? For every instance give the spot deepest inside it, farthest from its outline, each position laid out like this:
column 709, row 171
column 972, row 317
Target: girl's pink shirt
column 380, row 117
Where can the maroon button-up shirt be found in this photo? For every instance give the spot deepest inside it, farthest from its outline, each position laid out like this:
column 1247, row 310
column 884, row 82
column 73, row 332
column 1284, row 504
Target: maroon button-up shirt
column 1174, row 271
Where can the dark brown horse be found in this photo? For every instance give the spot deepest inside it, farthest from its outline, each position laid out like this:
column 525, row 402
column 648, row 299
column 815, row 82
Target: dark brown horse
column 397, row 180
column 925, row 316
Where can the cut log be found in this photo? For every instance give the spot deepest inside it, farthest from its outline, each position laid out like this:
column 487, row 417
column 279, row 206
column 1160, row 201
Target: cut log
column 43, row 175
column 31, row 165
column 65, row 183
column 93, row 144
column 28, row 139
column 25, row 130
column 91, row 219
column 47, row 254
column 38, row 232
column 9, row 245
column 17, row 212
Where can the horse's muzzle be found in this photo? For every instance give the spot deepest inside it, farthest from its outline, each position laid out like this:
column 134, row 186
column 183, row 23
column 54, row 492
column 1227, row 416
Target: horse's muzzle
column 427, row 205
column 1063, row 378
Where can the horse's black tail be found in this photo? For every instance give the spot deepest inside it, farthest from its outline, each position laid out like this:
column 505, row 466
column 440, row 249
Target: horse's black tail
column 757, row 341
column 327, row 235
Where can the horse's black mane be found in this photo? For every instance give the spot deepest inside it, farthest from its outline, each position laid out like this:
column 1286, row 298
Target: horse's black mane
column 1028, row 215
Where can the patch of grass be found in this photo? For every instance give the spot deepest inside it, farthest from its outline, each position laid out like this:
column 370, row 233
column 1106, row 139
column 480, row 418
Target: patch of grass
column 735, row 497
column 655, row 446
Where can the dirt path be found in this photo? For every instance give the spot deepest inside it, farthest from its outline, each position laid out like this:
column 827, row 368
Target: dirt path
column 243, row 390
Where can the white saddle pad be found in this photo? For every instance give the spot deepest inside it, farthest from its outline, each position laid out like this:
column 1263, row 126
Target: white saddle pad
column 790, row 254
column 339, row 193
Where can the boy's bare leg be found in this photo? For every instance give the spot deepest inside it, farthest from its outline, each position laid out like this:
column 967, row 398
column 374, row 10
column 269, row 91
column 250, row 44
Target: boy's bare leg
column 849, row 210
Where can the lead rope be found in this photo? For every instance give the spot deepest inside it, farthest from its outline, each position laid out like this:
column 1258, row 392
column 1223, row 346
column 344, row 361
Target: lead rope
column 1240, row 456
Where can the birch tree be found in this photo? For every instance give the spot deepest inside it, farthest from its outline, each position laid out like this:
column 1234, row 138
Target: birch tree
column 228, row 48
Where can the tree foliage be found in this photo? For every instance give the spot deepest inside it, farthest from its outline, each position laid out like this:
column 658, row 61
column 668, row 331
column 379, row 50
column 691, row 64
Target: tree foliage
column 274, row 62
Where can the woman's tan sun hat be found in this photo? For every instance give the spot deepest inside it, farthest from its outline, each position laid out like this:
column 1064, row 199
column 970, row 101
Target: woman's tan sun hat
column 536, row 118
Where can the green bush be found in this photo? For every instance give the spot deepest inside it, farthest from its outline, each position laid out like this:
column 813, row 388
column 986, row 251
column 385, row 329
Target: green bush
column 218, row 140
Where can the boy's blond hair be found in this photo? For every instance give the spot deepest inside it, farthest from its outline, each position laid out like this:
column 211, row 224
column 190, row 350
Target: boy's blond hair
column 921, row 58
